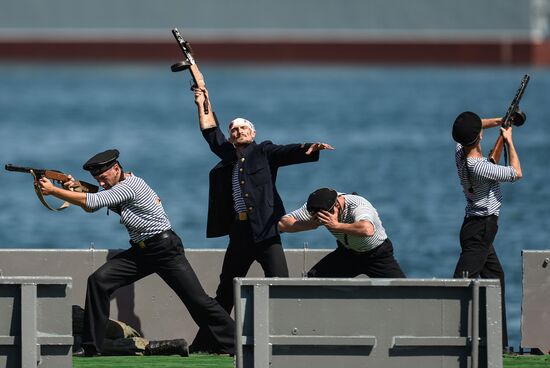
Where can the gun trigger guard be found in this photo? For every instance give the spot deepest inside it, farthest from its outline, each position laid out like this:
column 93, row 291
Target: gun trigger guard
column 41, row 196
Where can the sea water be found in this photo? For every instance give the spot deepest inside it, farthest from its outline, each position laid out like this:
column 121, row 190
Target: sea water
column 390, row 127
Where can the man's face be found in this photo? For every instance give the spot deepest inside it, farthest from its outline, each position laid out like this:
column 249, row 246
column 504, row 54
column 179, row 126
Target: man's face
column 241, row 135
column 109, row 178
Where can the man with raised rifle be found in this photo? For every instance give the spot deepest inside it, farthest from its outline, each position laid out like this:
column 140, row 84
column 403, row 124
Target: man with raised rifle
column 243, row 200
column 480, row 180
column 155, row 248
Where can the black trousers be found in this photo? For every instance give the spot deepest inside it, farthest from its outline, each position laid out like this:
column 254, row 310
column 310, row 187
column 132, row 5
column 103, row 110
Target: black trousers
column 241, row 252
column 478, row 257
column 166, row 258
column 343, row 262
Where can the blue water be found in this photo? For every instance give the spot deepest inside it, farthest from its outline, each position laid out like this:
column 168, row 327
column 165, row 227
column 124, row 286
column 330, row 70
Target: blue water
column 390, row 128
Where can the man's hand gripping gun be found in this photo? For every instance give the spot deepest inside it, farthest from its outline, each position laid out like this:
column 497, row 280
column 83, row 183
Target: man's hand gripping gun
column 55, row 175
column 189, row 63
column 513, row 116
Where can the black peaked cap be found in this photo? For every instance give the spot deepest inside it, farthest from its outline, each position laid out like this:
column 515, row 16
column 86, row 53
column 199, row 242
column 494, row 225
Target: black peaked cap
column 321, row 199
column 101, row 162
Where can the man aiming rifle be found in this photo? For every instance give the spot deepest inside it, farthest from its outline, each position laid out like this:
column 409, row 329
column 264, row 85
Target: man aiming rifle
column 155, row 248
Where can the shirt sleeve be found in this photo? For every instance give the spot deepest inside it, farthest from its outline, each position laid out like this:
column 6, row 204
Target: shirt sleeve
column 488, row 170
column 118, row 194
column 301, row 214
column 362, row 213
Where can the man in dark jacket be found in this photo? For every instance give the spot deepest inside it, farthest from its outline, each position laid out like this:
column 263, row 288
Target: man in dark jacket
column 243, row 200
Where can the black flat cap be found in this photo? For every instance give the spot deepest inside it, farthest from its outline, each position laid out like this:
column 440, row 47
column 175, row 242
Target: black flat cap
column 101, row 162
column 321, row 199
column 466, row 128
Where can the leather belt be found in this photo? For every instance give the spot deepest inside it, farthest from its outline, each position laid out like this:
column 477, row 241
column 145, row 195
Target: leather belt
column 241, row 216
column 142, row 244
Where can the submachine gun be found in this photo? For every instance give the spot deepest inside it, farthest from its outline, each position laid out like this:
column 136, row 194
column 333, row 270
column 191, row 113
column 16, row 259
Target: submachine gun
column 510, row 117
column 56, row 176
column 189, row 63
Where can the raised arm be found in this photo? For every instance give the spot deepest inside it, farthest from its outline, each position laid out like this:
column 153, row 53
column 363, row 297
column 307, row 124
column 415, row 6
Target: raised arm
column 206, row 121
column 514, row 158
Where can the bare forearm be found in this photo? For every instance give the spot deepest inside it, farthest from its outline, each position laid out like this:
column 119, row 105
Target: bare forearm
column 514, row 159
column 288, row 224
column 491, row 122
column 359, row 228
column 76, row 198
column 206, row 121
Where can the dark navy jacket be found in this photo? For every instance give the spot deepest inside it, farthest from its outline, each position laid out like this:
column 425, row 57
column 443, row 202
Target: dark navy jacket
column 258, row 167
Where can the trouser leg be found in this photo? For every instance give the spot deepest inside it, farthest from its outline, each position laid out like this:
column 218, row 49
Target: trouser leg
column 493, row 270
column 236, row 263
column 478, row 257
column 338, row 263
column 117, row 272
column 381, row 263
column 204, row 310
column 271, row 256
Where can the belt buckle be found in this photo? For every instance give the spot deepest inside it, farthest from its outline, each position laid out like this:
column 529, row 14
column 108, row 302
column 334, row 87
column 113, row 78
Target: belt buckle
column 141, row 244
column 243, row 216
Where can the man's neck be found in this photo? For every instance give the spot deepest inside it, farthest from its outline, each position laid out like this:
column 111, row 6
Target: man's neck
column 474, row 151
column 241, row 147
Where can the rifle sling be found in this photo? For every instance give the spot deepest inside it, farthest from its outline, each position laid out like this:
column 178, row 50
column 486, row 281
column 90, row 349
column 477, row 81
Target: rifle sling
column 43, row 200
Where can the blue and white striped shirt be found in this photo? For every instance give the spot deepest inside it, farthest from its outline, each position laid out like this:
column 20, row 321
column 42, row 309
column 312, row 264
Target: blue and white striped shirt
column 238, row 201
column 483, row 178
column 139, row 207
column 356, row 209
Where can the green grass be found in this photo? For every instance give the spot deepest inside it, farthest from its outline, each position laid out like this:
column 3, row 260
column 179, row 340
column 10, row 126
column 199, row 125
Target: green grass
column 193, row 361
column 529, row 361
column 215, row 361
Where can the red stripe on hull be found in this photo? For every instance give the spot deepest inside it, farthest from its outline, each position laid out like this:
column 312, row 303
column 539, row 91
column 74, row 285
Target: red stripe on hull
column 490, row 53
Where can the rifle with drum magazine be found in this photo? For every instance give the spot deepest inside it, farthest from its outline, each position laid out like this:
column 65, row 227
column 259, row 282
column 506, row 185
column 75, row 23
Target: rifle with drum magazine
column 189, row 63
column 513, row 116
column 57, row 176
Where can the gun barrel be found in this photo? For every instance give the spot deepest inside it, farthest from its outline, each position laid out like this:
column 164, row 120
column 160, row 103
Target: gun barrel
column 11, row 167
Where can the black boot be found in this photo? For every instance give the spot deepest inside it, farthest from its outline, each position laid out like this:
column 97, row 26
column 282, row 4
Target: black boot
column 167, row 347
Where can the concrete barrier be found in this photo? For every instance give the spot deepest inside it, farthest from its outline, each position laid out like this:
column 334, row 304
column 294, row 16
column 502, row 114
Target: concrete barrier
column 304, row 323
column 35, row 322
column 149, row 305
column 535, row 311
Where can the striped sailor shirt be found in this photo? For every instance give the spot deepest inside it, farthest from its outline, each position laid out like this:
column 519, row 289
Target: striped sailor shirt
column 139, row 207
column 238, row 201
column 356, row 209
column 480, row 180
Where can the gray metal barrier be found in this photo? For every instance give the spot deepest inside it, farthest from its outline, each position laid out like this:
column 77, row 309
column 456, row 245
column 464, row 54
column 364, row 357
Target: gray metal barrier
column 35, row 322
column 368, row 322
column 535, row 310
